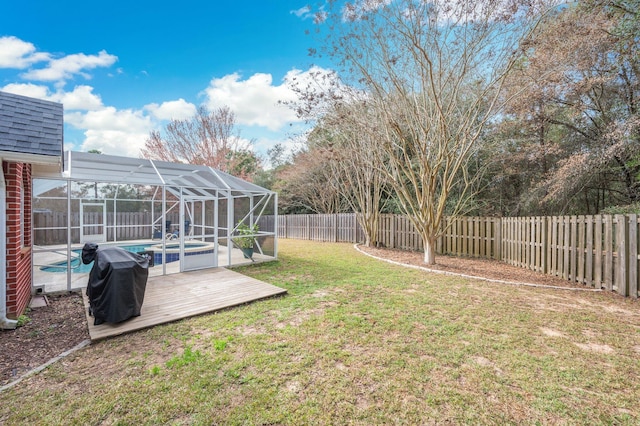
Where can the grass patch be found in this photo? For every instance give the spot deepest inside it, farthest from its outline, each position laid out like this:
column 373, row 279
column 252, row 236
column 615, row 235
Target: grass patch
column 23, row 319
column 358, row 341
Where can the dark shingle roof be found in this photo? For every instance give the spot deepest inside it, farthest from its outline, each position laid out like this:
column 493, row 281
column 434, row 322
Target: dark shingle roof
column 30, row 126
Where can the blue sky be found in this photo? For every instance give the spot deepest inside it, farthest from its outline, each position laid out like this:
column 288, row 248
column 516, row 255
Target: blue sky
column 123, row 68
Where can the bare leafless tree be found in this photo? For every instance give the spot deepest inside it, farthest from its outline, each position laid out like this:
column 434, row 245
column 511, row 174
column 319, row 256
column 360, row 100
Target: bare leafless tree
column 208, row 138
column 433, row 71
column 350, row 135
column 307, row 184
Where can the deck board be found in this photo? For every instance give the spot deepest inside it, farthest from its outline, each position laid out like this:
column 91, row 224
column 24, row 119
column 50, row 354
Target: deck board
column 172, row 297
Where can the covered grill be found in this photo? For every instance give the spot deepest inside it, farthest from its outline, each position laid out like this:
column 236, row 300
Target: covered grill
column 117, row 283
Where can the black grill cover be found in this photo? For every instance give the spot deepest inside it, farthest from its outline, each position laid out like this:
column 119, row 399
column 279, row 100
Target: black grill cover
column 117, row 282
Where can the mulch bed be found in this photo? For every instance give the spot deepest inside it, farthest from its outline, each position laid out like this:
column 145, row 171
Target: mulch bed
column 485, row 268
column 52, row 330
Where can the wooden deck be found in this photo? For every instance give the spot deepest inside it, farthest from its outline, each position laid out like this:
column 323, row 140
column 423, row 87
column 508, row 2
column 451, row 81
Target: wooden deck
column 172, row 297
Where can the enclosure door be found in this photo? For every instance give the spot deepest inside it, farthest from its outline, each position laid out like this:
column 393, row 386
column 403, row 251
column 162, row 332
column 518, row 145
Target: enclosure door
column 93, row 221
column 199, row 248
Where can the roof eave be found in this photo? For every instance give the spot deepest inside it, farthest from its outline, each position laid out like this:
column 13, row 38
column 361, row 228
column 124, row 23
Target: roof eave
column 22, row 157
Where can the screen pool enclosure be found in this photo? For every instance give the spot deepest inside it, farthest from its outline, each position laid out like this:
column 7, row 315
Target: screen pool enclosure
column 183, row 217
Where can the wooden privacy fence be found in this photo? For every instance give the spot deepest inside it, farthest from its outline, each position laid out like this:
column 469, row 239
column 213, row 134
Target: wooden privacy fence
column 50, row 228
column 597, row 251
column 463, row 236
column 341, row 227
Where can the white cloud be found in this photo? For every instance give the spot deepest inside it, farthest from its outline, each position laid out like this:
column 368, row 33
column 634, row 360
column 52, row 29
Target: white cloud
column 263, row 145
column 306, row 12
column 172, row 110
column 19, row 54
column 110, row 118
column 81, row 98
column 303, row 12
column 15, row 53
column 119, row 71
column 70, row 65
column 28, row 89
column 112, row 131
column 254, row 101
column 257, row 101
column 114, row 142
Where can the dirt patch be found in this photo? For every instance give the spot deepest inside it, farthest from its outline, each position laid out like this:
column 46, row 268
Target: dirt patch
column 551, row 332
column 52, row 330
column 604, row 349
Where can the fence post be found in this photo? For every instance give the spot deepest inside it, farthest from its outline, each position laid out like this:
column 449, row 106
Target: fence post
column 543, row 244
column 478, row 233
column 589, row 252
column 498, row 239
column 621, row 248
column 526, row 236
column 355, row 228
column 438, row 248
column 285, row 231
column 608, row 252
column 566, row 232
column 633, row 255
column 392, row 234
column 581, row 250
column 597, row 239
column 573, row 248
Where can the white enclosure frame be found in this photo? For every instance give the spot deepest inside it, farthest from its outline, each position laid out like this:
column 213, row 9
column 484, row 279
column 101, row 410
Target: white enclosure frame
column 196, row 193
column 93, row 237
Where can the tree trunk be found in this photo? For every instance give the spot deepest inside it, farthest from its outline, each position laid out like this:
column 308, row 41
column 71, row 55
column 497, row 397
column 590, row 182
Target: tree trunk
column 429, row 251
column 369, row 224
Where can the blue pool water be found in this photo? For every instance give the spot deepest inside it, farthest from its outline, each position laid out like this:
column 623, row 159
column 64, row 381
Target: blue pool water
column 77, row 267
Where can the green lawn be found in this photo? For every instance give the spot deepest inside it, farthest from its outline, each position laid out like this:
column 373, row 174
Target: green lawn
column 363, row 342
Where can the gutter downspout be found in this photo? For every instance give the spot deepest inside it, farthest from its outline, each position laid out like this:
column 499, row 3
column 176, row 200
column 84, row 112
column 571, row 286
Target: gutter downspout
column 5, row 323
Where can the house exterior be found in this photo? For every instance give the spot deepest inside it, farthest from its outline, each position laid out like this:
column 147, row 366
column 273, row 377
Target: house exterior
column 31, row 133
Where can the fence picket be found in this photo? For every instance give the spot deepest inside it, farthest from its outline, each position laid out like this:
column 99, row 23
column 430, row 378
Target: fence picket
column 633, row 256
column 540, row 238
column 608, row 252
column 589, row 251
column 598, row 259
column 555, row 246
column 566, row 237
column 573, row 248
column 580, row 250
column 620, row 276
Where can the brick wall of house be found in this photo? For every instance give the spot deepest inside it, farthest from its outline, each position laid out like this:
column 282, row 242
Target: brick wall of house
column 18, row 193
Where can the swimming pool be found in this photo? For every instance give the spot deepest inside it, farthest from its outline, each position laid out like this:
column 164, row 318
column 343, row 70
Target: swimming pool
column 77, row 267
column 172, row 251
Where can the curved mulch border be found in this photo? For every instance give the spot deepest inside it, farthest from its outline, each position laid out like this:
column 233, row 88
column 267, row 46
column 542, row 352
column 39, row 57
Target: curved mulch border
column 475, row 277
